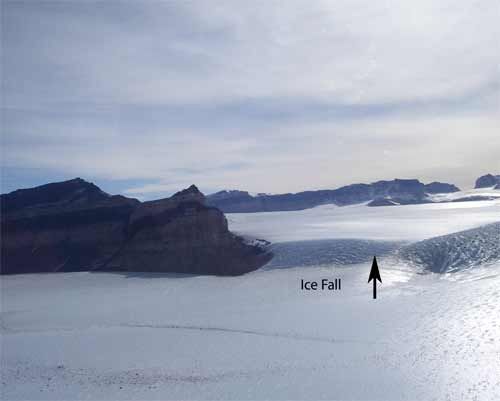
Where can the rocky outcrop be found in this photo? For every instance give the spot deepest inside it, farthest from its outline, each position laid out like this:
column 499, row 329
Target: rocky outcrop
column 73, row 225
column 235, row 201
column 487, row 181
column 474, row 198
column 181, row 234
column 401, row 191
column 397, row 191
column 382, row 202
column 63, row 226
column 440, row 188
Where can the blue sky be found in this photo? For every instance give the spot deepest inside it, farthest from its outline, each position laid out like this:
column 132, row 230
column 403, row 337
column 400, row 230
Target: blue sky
column 145, row 98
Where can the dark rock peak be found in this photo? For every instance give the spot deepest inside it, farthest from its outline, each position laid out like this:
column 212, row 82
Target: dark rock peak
column 75, row 191
column 398, row 183
column 488, row 180
column 409, row 189
column 191, row 194
column 73, row 225
column 234, row 193
column 440, row 188
column 191, row 189
column 190, row 197
column 56, row 188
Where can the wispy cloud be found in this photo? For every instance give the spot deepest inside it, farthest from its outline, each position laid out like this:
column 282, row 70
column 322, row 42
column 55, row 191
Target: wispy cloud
column 265, row 96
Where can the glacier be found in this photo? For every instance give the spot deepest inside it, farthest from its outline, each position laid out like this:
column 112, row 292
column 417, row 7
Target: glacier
column 458, row 251
column 433, row 332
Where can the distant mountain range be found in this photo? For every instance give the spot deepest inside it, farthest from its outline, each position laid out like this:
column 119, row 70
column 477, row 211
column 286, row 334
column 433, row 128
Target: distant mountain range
column 74, row 226
column 380, row 193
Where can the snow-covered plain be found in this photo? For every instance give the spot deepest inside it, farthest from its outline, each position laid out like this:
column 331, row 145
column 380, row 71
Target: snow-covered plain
column 258, row 336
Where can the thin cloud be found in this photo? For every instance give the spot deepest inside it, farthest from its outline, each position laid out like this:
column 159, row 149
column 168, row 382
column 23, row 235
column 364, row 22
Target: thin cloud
column 254, row 95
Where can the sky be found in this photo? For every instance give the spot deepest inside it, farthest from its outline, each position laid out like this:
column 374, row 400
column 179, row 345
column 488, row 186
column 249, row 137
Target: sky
column 146, row 98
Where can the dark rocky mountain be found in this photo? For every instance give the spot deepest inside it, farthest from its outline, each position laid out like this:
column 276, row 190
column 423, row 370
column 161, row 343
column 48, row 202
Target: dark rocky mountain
column 61, row 194
column 381, row 193
column 488, row 180
column 73, row 226
column 440, row 188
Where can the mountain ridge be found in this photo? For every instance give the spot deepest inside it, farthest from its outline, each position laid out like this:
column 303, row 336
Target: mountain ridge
column 74, row 226
column 384, row 192
column 376, row 194
column 488, row 180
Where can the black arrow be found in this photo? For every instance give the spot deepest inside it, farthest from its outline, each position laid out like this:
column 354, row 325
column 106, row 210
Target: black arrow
column 374, row 275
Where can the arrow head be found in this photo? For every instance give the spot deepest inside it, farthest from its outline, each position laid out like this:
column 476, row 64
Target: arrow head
column 374, row 272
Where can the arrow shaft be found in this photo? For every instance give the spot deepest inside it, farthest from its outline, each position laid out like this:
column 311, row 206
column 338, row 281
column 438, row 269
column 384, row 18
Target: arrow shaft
column 374, row 289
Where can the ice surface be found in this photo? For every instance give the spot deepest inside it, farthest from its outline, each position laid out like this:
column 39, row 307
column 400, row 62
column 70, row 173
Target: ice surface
column 333, row 252
column 457, row 251
column 487, row 192
column 258, row 336
column 391, row 223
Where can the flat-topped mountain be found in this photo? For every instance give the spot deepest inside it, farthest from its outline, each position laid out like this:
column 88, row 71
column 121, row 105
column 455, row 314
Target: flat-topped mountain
column 381, row 193
column 73, row 226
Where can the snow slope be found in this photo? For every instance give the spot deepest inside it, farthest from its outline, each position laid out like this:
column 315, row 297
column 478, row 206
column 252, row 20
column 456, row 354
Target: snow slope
column 453, row 196
column 258, row 336
column 389, row 223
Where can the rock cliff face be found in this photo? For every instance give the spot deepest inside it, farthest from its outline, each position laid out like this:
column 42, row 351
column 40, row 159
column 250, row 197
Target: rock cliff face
column 182, row 234
column 73, row 225
column 381, row 193
column 488, row 180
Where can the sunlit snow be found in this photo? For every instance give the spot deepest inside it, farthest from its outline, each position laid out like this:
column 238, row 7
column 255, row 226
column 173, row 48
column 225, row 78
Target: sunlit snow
column 258, row 336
